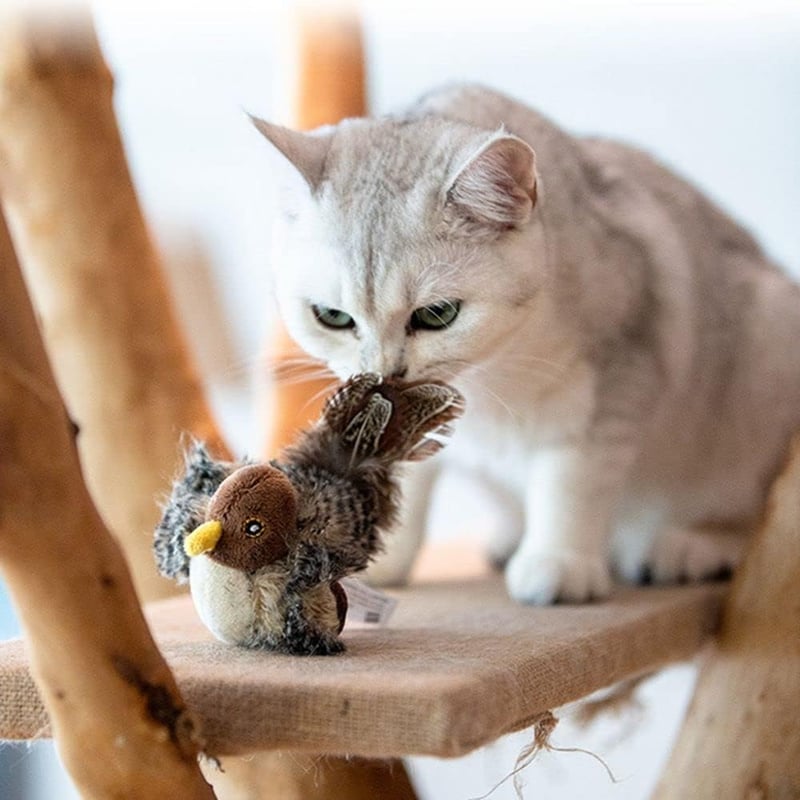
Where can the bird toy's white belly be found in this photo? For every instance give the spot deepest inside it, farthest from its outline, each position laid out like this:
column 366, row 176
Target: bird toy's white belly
column 233, row 605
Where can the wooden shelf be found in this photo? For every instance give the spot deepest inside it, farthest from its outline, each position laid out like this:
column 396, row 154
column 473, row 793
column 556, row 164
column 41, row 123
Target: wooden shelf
column 458, row 665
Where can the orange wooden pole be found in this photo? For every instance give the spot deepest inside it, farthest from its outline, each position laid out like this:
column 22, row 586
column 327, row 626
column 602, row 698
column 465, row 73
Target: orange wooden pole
column 329, row 85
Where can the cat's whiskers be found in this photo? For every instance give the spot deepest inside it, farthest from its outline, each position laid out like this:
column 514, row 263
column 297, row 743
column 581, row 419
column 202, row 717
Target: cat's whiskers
column 297, row 370
column 304, row 376
column 238, row 369
column 293, row 361
column 533, row 365
column 477, row 387
column 317, row 395
column 503, row 404
column 529, row 358
column 510, row 367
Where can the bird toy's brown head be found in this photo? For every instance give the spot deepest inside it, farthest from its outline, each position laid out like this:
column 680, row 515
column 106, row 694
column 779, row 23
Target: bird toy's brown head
column 251, row 519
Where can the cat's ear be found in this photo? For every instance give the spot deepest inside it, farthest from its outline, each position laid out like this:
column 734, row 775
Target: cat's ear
column 497, row 185
column 305, row 151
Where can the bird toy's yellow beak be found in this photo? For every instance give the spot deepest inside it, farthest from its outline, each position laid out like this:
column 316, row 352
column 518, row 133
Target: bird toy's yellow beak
column 203, row 539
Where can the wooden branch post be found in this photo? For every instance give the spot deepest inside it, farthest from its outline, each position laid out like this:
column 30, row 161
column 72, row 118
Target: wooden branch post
column 120, row 723
column 296, row 776
column 329, row 84
column 119, row 357
column 741, row 737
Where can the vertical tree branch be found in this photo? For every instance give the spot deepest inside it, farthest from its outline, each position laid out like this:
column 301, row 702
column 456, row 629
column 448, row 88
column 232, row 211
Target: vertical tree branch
column 741, row 736
column 119, row 357
column 117, row 715
column 328, row 84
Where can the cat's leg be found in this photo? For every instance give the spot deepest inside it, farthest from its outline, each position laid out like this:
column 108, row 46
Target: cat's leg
column 507, row 519
column 572, row 496
column 505, row 540
column 402, row 543
column 679, row 553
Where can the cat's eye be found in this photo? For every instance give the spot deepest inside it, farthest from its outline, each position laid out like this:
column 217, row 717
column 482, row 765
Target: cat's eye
column 436, row 316
column 333, row 317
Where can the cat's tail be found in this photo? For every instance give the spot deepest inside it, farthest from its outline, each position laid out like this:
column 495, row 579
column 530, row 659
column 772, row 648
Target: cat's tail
column 371, row 421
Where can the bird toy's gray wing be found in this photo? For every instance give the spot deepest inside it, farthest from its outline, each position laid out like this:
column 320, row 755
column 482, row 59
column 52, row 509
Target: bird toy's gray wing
column 185, row 509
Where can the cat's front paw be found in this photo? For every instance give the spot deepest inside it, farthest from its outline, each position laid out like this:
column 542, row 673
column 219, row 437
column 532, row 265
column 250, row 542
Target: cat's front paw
column 680, row 554
column 544, row 578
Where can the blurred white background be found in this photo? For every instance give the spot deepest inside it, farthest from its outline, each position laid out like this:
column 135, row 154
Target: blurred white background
column 713, row 88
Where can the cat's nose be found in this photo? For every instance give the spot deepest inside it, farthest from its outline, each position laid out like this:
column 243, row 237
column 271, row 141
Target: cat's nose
column 400, row 372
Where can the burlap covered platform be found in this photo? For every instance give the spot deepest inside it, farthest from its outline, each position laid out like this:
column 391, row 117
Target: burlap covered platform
column 458, row 665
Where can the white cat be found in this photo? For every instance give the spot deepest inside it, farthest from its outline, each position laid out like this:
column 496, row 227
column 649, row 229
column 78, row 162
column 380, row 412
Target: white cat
column 629, row 357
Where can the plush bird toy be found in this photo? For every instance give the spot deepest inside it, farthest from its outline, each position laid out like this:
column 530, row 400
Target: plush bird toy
column 264, row 545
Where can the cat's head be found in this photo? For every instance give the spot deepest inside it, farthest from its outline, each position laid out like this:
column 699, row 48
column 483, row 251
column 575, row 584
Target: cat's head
column 405, row 245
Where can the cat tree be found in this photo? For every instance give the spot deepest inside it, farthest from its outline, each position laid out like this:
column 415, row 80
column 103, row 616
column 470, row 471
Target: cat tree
column 460, row 664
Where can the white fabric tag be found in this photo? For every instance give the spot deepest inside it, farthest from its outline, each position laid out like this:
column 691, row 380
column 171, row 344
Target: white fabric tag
column 366, row 607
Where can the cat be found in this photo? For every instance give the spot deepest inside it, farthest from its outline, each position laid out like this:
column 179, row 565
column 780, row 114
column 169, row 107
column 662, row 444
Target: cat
column 629, row 356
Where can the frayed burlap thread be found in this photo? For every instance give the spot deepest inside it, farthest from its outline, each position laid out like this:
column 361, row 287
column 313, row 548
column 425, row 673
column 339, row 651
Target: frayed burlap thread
column 543, row 727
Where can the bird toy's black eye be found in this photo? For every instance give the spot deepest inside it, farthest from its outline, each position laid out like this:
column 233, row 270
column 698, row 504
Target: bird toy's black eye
column 254, row 527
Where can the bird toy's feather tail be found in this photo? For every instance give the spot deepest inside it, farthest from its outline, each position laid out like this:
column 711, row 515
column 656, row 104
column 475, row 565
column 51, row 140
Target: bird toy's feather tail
column 185, row 509
column 371, row 421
